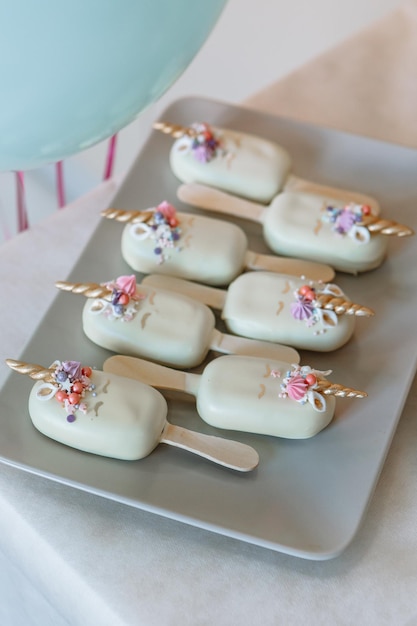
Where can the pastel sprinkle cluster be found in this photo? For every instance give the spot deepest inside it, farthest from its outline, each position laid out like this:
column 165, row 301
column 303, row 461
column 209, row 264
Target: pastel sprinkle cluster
column 164, row 229
column 204, row 145
column 344, row 220
column 73, row 381
column 300, row 385
column 124, row 298
column 306, row 307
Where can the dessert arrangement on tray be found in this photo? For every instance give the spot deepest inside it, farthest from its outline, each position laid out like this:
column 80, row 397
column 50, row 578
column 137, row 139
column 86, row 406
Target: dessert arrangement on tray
column 272, row 306
column 193, row 318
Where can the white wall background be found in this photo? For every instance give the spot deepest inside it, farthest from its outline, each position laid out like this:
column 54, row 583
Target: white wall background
column 253, row 44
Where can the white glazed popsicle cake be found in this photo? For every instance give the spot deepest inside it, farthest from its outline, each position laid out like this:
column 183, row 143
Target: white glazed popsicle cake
column 207, row 250
column 301, row 224
column 246, row 395
column 262, row 396
column 114, row 416
column 157, row 325
column 240, row 163
column 349, row 237
column 281, row 308
column 272, row 307
column 117, row 417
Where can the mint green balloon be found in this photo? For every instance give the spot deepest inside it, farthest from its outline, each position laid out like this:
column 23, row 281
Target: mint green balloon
column 74, row 72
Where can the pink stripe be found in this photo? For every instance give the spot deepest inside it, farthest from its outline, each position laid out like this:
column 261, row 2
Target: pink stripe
column 22, row 218
column 60, row 186
column 111, row 154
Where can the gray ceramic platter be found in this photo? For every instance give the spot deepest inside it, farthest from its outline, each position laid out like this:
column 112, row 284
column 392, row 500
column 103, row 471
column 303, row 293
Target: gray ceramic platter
column 307, row 498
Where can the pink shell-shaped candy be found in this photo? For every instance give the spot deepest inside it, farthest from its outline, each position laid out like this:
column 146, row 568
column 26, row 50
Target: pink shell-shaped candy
column 127, row 284
column 167, row 209
column 296, row 387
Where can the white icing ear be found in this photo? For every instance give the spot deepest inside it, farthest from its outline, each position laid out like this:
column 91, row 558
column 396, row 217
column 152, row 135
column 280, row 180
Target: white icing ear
column 360, row 234
column 327, row 318
column 316, row 400
column 98, row 306
column 333, row 290
column 140, row 231
column 46, row 391
column 183, row 144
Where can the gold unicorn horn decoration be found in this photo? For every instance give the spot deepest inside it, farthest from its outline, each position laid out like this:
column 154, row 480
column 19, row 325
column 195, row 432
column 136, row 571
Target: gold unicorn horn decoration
column 334, row 389
column 380, row 226
column 37, row 372
column 89, row 290
column 341, row 306
column 174, row 130
column 131, row 217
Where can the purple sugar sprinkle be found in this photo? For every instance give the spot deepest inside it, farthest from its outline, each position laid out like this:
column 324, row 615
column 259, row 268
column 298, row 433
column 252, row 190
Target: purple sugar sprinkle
column 71, row 418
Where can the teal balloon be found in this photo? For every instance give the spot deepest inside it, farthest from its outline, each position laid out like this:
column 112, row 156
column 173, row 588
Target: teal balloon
column 74, row 72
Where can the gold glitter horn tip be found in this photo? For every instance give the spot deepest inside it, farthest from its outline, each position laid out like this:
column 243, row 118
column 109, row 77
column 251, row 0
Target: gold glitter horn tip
column 37, row 372
column 381, row 226
column 174, row 130
column 334, row 389
column 89, row 290
column 127, row 217
column 341, row 306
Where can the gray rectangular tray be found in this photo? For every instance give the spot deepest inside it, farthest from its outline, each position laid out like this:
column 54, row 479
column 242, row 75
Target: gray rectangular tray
column 307, row 498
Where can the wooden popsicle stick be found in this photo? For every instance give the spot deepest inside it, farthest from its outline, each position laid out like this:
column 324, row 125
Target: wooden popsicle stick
column 287, row 265
column 225, row 452
column 213, row 199
column 152, row 374
column 232, row 344
column 211, row 296
column 294, row 183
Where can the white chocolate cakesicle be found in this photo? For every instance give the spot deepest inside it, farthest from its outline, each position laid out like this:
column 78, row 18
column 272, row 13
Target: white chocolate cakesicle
column 198, row 248
column 240, row 163
column 309, row 226
column 115, row 416
column 277, row 307
column 249, row 394
column 159, row 325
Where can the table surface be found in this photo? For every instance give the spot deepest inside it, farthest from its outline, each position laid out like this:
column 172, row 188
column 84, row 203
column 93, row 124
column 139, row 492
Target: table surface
column 69, row 557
